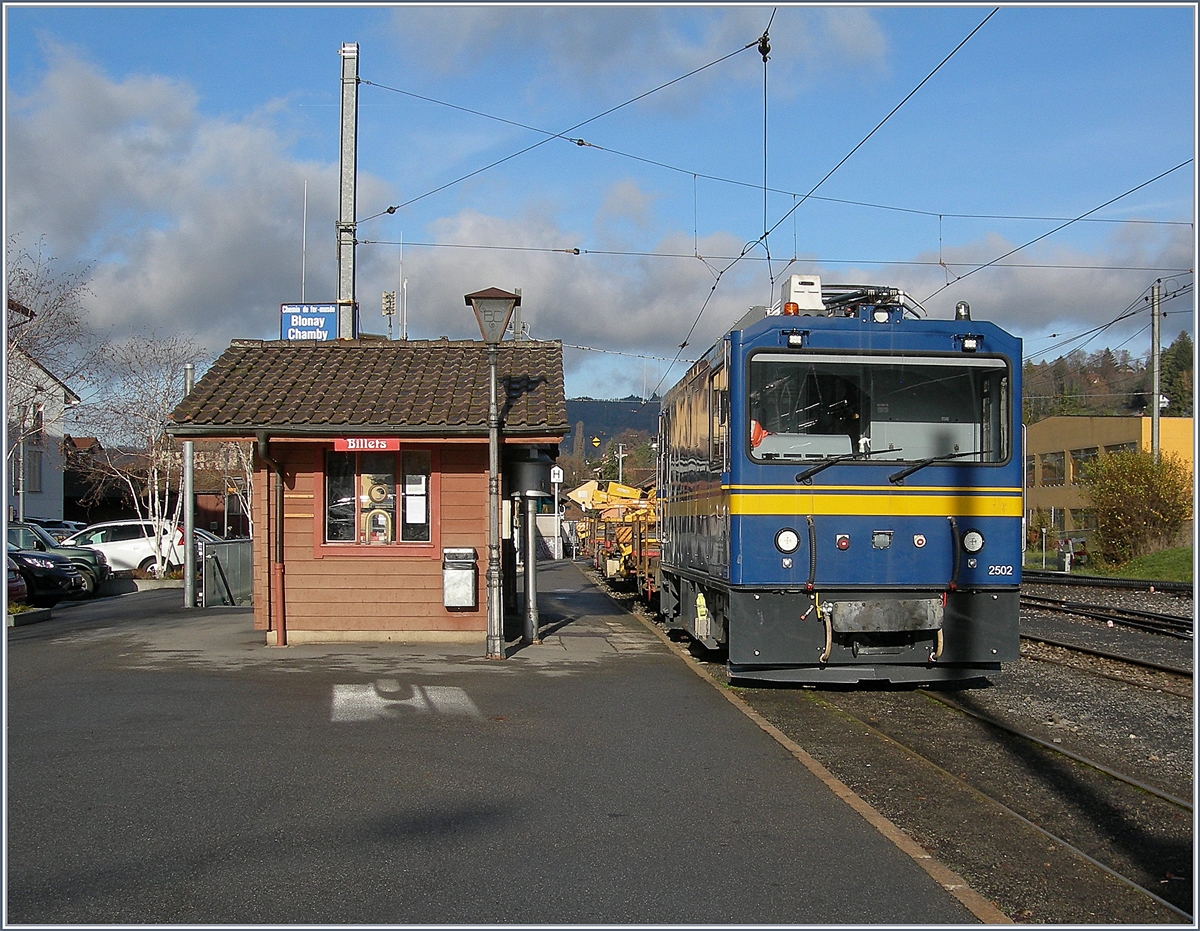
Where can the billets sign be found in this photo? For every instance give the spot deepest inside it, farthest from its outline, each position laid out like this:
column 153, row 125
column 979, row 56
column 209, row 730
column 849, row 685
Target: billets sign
column 308, row 321
column 366, row 444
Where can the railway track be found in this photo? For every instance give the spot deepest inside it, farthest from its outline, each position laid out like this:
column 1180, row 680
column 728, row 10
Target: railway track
column 1099, row 581
column 1113, row 657
column 1125, row 826
column 1170, row 625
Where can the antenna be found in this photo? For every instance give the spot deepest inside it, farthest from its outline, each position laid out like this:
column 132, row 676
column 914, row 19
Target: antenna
column 304, row 242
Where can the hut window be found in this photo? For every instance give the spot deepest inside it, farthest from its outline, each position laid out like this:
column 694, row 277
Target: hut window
column 377, row 498
column 414, row 526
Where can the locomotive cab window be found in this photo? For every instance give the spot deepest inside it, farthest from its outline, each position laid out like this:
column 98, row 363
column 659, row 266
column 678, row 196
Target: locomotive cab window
column 894, row 408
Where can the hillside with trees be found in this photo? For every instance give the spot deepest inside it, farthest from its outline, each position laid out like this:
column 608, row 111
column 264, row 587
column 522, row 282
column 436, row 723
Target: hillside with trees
column 1107, row 383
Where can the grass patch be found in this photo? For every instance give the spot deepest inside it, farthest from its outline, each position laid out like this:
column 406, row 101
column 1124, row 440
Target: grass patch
column 1173, row 565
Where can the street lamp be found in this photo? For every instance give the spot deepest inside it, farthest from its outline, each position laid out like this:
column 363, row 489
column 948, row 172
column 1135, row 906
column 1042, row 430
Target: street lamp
column 493, row 308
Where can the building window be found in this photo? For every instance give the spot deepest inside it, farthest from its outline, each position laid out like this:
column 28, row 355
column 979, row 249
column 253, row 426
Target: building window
column 1052, row 468
column 33, row 471
column 1121, row 448
column 1029, row 476
column 365, row 505
column 38, row 433
column 414, row 526
column 1080, row 458
column 1083, row 518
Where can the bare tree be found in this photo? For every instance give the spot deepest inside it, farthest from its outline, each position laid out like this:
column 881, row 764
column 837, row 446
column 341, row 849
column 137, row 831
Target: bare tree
column 242, row 455
column 50, row 348
column 46, row 319
column 129, row 411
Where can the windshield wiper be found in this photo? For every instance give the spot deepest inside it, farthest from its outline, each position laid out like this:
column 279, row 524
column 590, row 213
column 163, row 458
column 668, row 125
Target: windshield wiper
column 807, row 474
column 905, row 473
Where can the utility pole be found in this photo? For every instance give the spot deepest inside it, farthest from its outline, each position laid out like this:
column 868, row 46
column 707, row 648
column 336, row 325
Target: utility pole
column 189, row 504
column 347, row 314
column 1155, row 366
column 621, row 454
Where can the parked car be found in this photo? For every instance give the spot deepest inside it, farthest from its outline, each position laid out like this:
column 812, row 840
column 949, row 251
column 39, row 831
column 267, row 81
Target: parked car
column 93, row 566
column 49, row 578
column 18, row 590
column 59, row 529
column 129, row 544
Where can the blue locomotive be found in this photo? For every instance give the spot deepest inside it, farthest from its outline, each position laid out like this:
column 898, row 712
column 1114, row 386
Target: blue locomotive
column 840, row 492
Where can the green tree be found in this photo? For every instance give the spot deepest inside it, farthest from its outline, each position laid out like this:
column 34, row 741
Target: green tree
column 1140, row 505
column 1176, row 379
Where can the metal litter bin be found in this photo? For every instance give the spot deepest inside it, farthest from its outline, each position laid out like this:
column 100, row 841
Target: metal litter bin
column 460, row 577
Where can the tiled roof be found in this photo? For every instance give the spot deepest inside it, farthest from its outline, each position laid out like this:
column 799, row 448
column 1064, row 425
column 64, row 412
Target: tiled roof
column 412, row 387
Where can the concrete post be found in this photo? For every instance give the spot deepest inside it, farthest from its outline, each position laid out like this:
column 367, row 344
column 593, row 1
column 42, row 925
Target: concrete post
column 189, row 504
column 530, row 634
column 347, row 322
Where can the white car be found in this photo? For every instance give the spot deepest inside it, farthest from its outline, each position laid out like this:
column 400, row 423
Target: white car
column 129, row 544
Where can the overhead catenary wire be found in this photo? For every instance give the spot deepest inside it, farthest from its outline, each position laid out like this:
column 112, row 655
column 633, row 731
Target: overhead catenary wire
column 1057, row 229
column 633, row 253
column 699, row 175
column 828, row 175
column 1135, row 307
column 542, row 142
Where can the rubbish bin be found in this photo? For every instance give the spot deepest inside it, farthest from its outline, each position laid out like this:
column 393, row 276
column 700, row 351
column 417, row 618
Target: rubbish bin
column 460, row 577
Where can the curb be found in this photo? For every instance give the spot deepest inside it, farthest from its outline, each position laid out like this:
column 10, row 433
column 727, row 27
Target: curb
column 30, row 617
column 116, row 586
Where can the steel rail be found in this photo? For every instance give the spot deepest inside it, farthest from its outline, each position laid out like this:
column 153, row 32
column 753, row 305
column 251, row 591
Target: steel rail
column 1133, row 884
column 1102, row 654
column 1100, row 581
column 1100, row 767
column 1167, row 624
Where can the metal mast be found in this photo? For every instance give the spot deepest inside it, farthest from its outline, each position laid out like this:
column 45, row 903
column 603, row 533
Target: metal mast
column 1155, row 366
column 347, row 327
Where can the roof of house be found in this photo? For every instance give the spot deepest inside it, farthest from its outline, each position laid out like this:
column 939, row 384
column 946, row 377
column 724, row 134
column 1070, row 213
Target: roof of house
column 375, row 387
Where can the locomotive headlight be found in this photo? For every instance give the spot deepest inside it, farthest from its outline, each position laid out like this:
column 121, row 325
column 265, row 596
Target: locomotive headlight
column 972, row 541
column 787, row 540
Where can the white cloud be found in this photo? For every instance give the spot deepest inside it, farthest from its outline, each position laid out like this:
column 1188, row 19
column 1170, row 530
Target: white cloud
column 627, row 50
column 190, row 223
column 194, row 224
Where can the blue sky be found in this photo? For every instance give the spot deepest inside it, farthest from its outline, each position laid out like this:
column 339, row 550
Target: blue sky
column 169, row 148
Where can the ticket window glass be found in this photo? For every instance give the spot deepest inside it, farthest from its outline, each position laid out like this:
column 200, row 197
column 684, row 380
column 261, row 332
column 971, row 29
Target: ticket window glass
column 415, row 467
column 377, row 498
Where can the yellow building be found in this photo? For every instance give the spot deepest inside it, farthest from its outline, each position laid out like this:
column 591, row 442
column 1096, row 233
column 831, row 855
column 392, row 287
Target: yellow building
column 1057, row 449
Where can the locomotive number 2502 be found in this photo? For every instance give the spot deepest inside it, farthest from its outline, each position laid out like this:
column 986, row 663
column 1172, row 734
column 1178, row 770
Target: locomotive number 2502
column 1000, row 570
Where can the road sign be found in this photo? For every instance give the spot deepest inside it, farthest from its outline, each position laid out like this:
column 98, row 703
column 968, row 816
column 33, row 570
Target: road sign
column 596, row 441
column 556, row 475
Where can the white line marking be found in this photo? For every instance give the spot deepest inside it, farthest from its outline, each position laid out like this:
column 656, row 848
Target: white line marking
column 373, row 702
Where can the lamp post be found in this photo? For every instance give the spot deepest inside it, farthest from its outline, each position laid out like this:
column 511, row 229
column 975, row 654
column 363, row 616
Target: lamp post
column 493, row 308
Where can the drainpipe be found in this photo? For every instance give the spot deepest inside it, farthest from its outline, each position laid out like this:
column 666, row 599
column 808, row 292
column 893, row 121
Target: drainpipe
column 276, row 580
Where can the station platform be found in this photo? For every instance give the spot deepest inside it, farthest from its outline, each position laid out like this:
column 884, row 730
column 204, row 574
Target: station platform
column 594, row 778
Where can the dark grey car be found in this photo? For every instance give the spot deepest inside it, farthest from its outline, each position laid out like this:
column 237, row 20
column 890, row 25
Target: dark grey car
column 92, row 565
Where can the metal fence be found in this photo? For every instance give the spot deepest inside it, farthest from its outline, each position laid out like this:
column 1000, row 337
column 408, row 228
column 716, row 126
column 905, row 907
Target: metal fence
column 227, row 573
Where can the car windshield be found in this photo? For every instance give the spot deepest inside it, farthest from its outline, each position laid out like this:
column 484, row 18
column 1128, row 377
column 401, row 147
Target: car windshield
column 42, row 535
column 894, row 408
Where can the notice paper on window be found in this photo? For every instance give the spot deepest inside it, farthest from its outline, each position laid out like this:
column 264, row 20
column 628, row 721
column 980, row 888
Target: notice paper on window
column 414, row 509
column 414, row 484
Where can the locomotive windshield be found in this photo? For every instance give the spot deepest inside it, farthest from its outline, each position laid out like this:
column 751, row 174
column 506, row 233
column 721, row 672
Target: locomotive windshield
column 897, row 408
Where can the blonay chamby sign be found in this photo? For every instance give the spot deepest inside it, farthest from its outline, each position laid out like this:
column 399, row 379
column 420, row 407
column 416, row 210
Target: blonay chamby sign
column 308, row 321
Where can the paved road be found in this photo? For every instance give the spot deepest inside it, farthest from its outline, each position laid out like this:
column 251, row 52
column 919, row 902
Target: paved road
column 165, row 766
